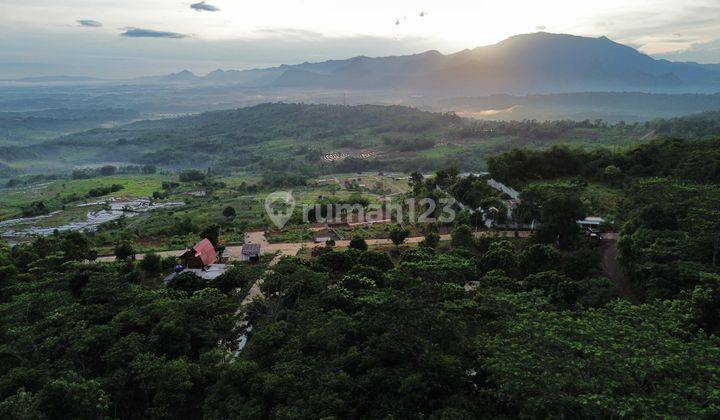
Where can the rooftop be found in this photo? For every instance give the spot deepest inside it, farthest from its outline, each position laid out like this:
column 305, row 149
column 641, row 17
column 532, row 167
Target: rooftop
column 210, row 272
column 251, row 249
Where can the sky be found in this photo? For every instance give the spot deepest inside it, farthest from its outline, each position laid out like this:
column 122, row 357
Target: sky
column 131, row 38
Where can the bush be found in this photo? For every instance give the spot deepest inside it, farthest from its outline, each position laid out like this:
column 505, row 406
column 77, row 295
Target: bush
column 462, row 237
column 336, row 261
column 229, row 212
column 101, row 191
column 596, row 292
column 432, row 240
column 151, row 263
column 124, row 251
column 537, row 258
column 500, row 256
column 358, row 243
column 398, row 234
column 159, row 195
column 35, row 209
column 107, row 170
column 187, row 282
column 379, row 260
column 192, row 175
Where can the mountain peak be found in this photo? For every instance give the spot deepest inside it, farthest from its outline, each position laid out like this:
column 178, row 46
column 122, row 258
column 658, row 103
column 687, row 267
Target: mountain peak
column 185, row 75
column 525, row 63
column 551, row 37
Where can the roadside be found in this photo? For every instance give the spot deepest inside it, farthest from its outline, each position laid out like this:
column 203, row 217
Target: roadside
column 292, row 248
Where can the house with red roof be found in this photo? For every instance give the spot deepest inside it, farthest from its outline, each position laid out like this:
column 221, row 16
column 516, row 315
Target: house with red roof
column 200, row 256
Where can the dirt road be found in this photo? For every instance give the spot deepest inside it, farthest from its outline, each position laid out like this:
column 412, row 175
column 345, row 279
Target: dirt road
column 613, row 271
column 293, row 248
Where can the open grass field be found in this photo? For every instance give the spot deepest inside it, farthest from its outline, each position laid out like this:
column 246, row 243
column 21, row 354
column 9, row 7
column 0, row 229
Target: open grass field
column 187, row 207
column 194, row 206
column 53, row 193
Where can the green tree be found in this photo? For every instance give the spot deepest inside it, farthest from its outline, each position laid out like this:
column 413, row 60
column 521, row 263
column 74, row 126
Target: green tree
column 76, row 246
column 462, row 236
column 561, row 290
column 212, row 233
column 187, row 282
column 558, row 217
column 432, row 240
column 649, row 342
column 398, row 234
column 72, row 397
column 613, row 174
column 151, row 263
column 537, row 258
column 357, row 242
column 124, row 251
column 379, row 260
column 337, row 261
column 229, row 212
column 500, row 256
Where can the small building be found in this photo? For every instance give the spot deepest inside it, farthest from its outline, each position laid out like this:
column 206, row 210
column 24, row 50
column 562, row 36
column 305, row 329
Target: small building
column 200, row 192
column 200, row 256
column 250, row 252
column 591, row 222
column 208, row 273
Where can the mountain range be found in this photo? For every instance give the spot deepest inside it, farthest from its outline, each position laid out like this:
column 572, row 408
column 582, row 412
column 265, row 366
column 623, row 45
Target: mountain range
column 529, row 63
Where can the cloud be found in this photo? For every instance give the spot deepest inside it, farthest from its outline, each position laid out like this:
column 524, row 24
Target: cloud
column 89, row 23
column 287, row 33
column 109, row 55
column 702, row 52
column 150, row 33
column 204, row 7
column 661, row 32
column 678, row 40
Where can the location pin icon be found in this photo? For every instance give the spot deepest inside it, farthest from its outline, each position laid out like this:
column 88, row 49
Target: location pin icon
column 280, row 217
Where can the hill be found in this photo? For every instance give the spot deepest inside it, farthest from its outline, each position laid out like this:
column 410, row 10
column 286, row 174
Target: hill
column 23, row 128
column 314, row 139
column 241, row 137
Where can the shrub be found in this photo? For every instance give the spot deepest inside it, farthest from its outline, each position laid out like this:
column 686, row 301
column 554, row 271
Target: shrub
column 124, row 251
column 358, row 243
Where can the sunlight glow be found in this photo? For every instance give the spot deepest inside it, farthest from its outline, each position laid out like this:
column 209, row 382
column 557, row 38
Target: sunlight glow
column 457, row 23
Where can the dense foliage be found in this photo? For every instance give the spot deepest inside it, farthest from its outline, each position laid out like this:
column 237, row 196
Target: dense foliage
column 101, row 340
column 494, row 329
column 466, row 328
column 697, row 161
column 672, row 237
